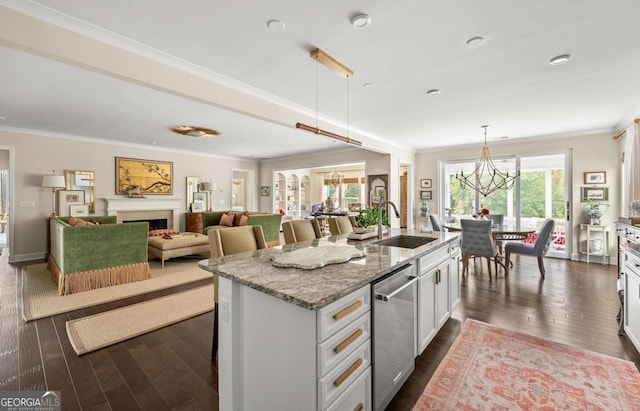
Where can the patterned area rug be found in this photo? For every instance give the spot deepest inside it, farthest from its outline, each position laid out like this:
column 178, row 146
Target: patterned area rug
column 491, row 368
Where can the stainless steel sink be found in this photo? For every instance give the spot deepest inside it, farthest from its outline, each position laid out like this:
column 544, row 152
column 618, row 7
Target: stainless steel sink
column 405, row 241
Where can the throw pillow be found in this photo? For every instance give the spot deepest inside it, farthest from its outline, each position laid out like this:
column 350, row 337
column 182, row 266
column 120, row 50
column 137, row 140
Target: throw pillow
column 243, row 220
column 162, row 232
column 77, row 222
column 227, row 219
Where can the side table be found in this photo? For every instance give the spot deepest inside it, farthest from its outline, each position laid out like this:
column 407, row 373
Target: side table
column 589, row 233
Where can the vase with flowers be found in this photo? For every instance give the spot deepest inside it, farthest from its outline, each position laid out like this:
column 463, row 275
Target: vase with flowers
column 481, row 214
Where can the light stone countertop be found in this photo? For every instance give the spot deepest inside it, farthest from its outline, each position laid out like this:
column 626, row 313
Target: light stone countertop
column 316, row 288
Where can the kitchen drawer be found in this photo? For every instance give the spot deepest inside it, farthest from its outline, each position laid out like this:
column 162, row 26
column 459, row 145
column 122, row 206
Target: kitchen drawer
column 455, row 247
column 337, row 347
column 433, row 258
column 340, row 378
column 357, row 397
column 339, row 313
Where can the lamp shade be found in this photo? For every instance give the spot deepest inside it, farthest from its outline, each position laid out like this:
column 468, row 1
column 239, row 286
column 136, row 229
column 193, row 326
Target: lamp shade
column 210, row 186
column 53, row 181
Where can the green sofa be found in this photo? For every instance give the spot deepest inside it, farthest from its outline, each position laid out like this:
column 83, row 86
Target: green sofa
column 270, row 224
column 94, row 256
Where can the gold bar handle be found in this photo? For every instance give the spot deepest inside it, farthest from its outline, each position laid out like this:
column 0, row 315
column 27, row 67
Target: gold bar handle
column 342, row 378
column 341, row 314
column 359, row 407
column 344, row 344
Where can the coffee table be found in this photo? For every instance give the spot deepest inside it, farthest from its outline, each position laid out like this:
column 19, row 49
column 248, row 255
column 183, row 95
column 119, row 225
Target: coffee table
column 187, row 244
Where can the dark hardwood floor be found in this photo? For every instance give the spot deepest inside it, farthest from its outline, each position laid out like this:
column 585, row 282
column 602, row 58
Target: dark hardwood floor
column 171, row 368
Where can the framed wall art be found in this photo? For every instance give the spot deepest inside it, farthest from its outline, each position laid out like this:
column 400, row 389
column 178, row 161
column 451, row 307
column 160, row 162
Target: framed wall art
column 426, row 195
column 378, row 184
column 426, row 183
column 79, row 210
column 264, row 191
column 200, row 197
column 153, row 177
column 594, row 193
column 595, row 177
column 67, row 198
column 197, row 207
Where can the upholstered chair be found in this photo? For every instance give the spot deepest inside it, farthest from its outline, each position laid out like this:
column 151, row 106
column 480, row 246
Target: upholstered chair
column 477, row 241
column 301, row 230
column 341, row 225
column 538, row 249
column 496, row 219
column 436, row 224
column 228, row 241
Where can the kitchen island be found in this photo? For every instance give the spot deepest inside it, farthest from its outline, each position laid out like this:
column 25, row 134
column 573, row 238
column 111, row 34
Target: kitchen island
column 299, row 339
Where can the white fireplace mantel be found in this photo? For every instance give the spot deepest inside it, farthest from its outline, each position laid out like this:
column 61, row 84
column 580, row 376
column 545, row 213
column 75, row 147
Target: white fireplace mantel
column 127, row 205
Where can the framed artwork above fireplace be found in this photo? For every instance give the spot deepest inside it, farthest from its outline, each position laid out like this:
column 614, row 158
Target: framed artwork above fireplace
column 153, row 177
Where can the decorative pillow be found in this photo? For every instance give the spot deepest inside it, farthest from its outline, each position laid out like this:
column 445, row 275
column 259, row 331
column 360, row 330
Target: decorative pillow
column 227, row 219
column 243, row 220
column 161, row 232
column 77, row 222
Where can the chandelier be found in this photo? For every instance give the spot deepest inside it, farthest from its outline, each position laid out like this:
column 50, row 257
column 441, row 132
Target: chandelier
column 487, row 178
column 335, row 179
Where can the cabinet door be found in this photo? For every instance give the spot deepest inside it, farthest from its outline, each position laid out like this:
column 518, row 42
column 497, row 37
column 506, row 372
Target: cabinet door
column 632, row 305
column 454, row 279
column 442, row 294
column 426, row 309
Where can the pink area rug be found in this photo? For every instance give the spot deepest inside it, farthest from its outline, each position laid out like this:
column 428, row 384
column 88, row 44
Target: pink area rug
column 490, row 368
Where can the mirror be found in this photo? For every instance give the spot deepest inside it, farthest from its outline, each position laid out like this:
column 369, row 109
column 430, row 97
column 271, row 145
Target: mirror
column 194, row 185
column 377, row 189
column 84, row 180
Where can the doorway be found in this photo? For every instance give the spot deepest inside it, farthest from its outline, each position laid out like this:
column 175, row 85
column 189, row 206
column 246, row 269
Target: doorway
column 242, row 194
column 5, row 199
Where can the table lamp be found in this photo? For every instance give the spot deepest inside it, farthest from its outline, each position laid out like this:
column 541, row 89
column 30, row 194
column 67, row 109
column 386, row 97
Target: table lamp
column 55, row 183
column 210, row 186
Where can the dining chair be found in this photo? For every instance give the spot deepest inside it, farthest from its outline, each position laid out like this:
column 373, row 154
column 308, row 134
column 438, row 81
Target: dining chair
column 341, row 225
column 301, row 230
column 477, row 241
column 228, row 241
column 496, row 219
column 538, row 249
column 436, row 224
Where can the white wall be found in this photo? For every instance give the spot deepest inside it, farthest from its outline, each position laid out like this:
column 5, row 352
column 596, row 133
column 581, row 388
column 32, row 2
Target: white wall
column 36, row 156
column 597, row 152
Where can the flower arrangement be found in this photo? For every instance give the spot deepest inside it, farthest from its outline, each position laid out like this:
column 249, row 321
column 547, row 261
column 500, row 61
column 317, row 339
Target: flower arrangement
column 482, row 213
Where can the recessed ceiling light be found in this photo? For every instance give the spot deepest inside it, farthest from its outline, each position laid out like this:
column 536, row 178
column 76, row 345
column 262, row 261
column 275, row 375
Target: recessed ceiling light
column 2, row 118
column 561, row 59
column 153, row 143
column 433, row 92
column 475, row 41
column 360, row 21
column 369, row 86
column 275, row 25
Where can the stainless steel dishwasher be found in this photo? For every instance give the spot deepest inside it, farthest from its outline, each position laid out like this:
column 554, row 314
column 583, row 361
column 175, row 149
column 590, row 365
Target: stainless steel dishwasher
column 394, row 327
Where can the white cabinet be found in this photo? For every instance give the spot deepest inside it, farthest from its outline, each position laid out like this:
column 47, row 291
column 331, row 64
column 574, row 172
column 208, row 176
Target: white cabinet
column 434, row 294
column 632, row 300
column 274, row 355
column 454, row 274
column 629, row 272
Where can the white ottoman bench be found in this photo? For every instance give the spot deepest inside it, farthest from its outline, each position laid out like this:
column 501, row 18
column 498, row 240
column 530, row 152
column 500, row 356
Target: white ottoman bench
column 187, row 244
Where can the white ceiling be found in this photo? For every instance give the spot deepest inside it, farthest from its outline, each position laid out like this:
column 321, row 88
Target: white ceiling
column 410, row 47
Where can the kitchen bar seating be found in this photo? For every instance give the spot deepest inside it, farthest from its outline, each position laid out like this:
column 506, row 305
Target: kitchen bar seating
column 227, row 242
column 301, row 230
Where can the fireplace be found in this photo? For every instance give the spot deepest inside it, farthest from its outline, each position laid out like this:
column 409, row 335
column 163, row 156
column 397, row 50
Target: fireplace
column 154, row 223
column 146, row 209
